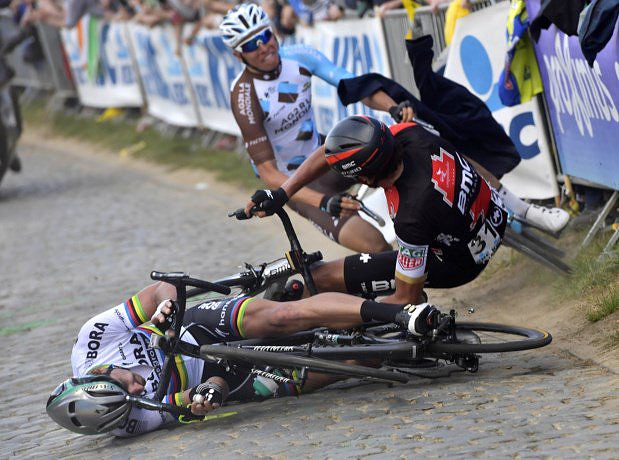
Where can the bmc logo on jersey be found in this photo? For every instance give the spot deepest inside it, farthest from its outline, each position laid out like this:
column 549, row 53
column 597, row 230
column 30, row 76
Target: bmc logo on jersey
column 410, row 259
column 348, row 165
column 444, row 175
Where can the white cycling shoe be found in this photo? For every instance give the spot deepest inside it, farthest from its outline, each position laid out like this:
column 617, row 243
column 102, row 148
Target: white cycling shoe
column 419, row 319
column 550, row 219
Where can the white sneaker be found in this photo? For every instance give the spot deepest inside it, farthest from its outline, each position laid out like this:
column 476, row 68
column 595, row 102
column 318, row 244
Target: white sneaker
column 551, row 219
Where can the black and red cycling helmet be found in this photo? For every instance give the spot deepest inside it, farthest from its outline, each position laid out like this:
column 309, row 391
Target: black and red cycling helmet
column 359, row 146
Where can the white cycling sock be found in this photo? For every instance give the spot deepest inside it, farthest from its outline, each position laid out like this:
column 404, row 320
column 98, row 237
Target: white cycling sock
column 513, row 203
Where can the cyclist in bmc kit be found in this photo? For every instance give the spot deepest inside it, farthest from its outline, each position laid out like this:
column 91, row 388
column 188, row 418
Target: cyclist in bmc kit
column 448, row 220
column 111, row 355
column 271, row 102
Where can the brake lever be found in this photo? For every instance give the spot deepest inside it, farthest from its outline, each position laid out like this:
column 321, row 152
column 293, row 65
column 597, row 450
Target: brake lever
column 240, row 214
column 379, row 220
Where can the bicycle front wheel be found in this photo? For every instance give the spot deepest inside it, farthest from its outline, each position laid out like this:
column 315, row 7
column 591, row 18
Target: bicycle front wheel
column 491, row 338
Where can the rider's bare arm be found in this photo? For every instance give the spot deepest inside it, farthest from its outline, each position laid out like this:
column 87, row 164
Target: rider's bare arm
column 151, row 296
column 274, row 178
column 382, row 101
column 311, row 169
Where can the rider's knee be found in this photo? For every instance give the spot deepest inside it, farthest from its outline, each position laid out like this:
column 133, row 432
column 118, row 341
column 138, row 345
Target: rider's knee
column 327, row 276
column 368, row 240
column 374, row 242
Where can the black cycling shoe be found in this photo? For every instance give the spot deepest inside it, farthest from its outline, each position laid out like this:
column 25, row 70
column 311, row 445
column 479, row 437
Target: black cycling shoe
column 419, row 319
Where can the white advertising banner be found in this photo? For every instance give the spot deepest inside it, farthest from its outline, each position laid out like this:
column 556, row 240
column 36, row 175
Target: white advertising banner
column 475, row 60
column 212, row 68
column 167, row 90
column 356, row 45
column 101, row 64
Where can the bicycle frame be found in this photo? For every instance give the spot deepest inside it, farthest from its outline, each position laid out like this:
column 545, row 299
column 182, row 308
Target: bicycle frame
column 298, row 262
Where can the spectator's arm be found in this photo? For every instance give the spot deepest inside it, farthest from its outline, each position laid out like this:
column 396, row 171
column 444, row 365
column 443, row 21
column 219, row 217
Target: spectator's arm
column 217, row 6
column 178, row 34
column 390, row 5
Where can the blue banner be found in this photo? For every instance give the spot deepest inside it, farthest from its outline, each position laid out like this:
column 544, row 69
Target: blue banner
column 582, row 104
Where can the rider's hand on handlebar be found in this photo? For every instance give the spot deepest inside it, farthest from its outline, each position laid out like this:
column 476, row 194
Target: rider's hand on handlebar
column 403, row 112
column 341, row 205
column 208, row 396
column 267, row 202
column 163, row 316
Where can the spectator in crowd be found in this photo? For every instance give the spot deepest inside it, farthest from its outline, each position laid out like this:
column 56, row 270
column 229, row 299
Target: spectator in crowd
column 151, row 12
column 282, row 16
column 211, row 13
column 311, row 11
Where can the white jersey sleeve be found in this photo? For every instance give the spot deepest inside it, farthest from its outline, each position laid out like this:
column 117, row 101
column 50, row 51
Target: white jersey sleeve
column 101, row 338
column 317, row 63
column 142, row 421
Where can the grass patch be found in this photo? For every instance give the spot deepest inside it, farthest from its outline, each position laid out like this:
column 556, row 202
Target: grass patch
column 607, row 304
column 590, row 276
column 175, row 152
column 593, row 280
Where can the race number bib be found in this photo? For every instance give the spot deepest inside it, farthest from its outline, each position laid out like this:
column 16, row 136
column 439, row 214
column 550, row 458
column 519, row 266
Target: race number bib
column 485, row 244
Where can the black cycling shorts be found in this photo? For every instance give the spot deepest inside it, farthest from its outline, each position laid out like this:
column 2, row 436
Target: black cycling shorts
column 221, row 320
column 374, row 273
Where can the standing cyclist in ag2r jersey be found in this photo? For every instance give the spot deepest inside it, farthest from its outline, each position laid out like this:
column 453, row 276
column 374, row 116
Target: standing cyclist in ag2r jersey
column 271, row 101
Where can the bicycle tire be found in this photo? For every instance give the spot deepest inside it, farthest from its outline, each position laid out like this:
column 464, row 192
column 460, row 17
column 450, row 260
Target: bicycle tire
column 401, row 348
column 5, row 153
column 522, row 245
column 291, row 361
column 533, row 338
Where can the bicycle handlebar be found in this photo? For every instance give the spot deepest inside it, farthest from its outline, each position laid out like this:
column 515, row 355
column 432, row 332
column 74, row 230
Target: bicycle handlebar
column 296, row 252
column 178, row 278
column 149, row 404
column 239, row 214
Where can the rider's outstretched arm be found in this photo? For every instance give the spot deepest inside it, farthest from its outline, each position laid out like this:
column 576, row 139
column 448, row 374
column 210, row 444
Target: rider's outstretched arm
column 274, row 178
column 311, row 169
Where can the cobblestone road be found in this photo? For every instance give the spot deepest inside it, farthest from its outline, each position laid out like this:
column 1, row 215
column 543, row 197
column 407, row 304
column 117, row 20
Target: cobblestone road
column 79, row 234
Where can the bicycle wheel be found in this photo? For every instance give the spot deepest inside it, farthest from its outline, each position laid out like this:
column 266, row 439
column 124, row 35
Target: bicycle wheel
column 491, row 338
column 268, row 358
column 5, row 153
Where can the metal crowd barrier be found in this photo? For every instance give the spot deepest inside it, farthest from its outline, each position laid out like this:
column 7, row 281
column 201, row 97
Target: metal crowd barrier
column 396, row 25
column 47, row 74
column 57, row 60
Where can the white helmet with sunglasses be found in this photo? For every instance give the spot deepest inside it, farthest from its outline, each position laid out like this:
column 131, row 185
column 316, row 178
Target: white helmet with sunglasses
column 241, row 24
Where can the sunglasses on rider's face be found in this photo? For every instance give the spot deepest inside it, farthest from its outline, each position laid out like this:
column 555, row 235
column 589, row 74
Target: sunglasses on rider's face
column 254, row 43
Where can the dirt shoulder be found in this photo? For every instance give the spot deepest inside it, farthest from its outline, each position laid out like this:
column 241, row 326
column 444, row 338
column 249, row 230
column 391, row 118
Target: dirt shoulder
column 512, row 290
